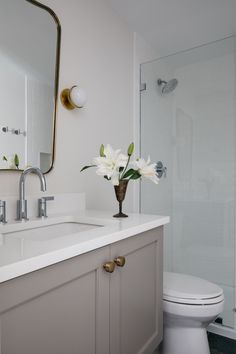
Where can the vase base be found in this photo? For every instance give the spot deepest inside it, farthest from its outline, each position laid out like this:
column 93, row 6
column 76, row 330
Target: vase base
column 120, row 215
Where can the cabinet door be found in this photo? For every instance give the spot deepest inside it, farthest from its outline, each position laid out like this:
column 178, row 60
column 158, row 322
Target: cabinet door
column 61, row 309
column 136, row 295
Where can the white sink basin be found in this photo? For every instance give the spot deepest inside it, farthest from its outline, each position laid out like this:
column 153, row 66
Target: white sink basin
column 43, row 233
column 47, row 229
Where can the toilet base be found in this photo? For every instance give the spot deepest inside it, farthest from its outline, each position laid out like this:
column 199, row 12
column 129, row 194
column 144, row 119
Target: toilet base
column 180, row 340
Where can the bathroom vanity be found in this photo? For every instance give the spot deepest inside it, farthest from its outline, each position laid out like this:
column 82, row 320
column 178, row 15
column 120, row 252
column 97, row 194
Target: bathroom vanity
column 95, row 290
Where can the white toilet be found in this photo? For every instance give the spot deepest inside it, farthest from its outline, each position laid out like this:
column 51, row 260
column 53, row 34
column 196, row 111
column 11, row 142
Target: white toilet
column 190, row 304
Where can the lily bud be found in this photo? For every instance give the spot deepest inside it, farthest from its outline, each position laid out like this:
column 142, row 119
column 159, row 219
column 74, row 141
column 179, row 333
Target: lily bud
column 130, row 149
column 16, row 160
column 102, row 151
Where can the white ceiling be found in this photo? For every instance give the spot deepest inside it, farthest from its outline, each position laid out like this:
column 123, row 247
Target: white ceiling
column 174, row 25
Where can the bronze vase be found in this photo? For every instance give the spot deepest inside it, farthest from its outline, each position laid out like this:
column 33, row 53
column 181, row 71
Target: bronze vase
column 120, row 191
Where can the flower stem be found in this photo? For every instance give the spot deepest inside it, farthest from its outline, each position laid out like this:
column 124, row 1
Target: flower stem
column 122, row 174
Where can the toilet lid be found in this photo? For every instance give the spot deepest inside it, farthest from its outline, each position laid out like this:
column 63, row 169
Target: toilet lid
column 183, row 288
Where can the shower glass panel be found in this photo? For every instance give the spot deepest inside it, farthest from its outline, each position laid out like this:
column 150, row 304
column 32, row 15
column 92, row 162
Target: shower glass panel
column 191, row 128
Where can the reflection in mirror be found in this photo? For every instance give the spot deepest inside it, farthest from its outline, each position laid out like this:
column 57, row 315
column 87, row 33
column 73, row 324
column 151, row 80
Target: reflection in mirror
column 29, row 64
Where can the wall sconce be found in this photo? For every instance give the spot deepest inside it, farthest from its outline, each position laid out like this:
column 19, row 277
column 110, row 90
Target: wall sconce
column 74, row 97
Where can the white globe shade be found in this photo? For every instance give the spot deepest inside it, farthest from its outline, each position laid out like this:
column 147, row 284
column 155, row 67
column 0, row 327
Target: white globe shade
column 78, row 96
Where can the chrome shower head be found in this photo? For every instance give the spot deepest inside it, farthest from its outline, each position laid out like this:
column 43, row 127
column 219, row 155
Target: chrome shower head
column 167, row 86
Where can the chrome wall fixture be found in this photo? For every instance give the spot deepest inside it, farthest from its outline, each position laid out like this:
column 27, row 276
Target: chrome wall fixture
column 161, row 170
column 13, row 131
column 167, row 86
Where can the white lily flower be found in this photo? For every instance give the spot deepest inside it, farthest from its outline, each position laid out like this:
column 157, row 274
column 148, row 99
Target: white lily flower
column 147, row 170
column 110, row 164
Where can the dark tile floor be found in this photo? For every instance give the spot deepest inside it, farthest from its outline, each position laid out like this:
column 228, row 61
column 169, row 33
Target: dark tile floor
column 218, row 345
column 221, row 345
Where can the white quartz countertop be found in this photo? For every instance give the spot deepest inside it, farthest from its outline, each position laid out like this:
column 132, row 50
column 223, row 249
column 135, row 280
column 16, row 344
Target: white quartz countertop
column 20, row 255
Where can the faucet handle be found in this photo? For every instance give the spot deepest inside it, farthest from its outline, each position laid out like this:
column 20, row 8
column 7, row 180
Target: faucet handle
column 3, row 212
column 42, row 206
column 51, row 197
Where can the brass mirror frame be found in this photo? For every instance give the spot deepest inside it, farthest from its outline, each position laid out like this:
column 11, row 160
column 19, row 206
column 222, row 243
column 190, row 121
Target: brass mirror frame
column 56, row 82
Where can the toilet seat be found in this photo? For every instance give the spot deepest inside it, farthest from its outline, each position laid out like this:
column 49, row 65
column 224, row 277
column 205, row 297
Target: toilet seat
column 190, row 290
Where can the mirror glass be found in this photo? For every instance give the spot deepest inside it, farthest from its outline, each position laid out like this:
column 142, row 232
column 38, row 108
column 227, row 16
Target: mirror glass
column 29, row 64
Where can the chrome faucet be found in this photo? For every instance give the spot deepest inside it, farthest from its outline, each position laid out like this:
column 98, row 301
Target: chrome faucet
column 22, row 202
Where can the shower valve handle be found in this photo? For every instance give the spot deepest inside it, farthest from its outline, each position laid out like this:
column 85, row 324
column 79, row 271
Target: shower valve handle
column 161, row 170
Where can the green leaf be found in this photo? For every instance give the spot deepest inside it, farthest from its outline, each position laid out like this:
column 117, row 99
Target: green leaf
column 132, row 174
column 85, row 167
column 130, row 149
column 129, row 173
column 102, row 151
column 136, row 175
column 16, row 161
column 4, row 158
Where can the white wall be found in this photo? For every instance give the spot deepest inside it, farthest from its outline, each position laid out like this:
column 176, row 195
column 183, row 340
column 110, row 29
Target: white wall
column 97, row 53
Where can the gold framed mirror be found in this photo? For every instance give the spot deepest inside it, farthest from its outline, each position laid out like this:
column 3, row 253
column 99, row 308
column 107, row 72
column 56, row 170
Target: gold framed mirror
column 30, row 39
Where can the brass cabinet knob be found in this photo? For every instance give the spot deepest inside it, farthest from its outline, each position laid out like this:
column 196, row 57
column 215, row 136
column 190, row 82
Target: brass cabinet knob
column 120, row 261
column 109, row 267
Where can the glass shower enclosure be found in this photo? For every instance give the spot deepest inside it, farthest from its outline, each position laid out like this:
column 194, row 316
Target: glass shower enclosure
column 190, row 126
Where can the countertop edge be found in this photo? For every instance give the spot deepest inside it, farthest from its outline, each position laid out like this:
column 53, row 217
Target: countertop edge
column 25, row 266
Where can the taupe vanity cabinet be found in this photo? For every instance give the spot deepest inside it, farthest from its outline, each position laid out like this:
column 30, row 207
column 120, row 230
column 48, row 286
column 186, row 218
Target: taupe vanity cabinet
column 76, row 307
column 136, row 295
column 61, row 309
